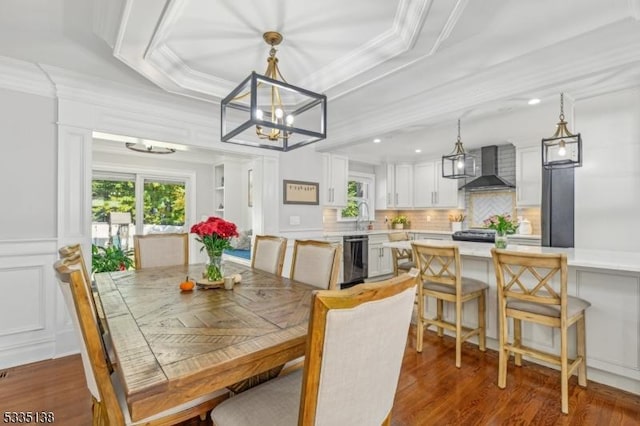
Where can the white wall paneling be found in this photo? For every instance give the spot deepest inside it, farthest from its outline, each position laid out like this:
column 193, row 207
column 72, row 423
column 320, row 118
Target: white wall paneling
column 27, row 305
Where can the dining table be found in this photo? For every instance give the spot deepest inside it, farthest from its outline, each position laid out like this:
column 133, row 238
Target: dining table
column 172, row 346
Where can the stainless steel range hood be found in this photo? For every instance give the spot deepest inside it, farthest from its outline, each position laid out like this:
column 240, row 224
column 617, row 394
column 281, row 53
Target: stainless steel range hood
column 489, row 181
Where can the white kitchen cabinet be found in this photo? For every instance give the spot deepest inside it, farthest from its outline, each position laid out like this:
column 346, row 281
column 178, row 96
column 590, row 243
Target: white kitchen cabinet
column 379, row 257
column 431, row 189
column 528, row 176
column 335, row 178
column 394, row 186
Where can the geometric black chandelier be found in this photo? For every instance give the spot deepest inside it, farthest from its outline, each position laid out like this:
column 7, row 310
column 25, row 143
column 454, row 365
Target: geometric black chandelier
column 563, row 149
column 459, row 164
column 267, row 112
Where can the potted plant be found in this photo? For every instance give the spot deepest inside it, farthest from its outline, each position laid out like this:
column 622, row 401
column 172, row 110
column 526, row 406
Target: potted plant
column 504, row 225
column 109, row 259
column 399, row 222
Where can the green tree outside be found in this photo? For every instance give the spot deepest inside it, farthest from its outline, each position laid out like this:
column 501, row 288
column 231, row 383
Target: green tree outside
column 352, row 201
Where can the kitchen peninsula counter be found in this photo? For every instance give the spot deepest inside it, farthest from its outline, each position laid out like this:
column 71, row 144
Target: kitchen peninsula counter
column 608, row 279
column 586, row 258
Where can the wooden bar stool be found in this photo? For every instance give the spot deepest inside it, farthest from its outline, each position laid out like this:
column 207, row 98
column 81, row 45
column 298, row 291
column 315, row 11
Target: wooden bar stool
column 525, row 293
column 402, row 258
column 440, row 268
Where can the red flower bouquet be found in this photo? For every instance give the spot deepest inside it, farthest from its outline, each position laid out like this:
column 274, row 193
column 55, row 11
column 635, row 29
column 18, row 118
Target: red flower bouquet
column 214, row 234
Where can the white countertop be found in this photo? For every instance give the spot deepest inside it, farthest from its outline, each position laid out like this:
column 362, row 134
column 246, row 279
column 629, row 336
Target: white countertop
column 587, row 258
column 410, row 231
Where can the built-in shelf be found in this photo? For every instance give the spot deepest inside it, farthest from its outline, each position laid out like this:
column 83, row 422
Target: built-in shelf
column 218, row 183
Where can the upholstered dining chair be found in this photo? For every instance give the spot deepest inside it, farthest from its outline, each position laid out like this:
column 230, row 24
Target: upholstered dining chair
column 402, row 258
column 355, row 346
column 109, row 404
column 153, row 250
column 441, row 271
column 268, row 253
column 526, row 292
column 316, row 263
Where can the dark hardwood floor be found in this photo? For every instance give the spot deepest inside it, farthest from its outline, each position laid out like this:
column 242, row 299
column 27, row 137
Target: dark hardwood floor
column 432, row 391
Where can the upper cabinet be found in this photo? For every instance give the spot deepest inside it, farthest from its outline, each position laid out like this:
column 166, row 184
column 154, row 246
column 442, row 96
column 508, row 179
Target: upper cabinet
column 335, row 179
column 431, row 189
column 528, row 176
column 394, row 186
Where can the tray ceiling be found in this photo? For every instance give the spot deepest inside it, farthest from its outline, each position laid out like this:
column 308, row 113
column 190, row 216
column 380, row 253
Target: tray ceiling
column 387, row 67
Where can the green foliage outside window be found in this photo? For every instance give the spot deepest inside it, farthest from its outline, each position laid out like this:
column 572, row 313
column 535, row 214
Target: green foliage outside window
column 112, row 196
column 164, row 203
column 352, row 202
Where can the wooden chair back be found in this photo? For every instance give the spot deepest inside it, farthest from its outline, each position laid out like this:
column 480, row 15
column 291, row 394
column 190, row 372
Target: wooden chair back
column 399, row 255
column 268, row 253
column 355, row 346
column 527, row 277
column 73, row 257
column 155, row 250
column 316, row 263
column 94, row 357
column 438, row 264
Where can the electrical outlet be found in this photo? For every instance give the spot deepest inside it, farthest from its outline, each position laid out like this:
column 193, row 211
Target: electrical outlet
column 294, row 220
column 428, row 218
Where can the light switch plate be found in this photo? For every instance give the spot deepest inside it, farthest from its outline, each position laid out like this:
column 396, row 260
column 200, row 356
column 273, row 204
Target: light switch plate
column 294, row 220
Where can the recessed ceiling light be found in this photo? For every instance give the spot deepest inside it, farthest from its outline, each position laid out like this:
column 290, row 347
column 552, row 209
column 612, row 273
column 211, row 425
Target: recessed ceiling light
column 534, row 101
column 418, row 151
column 377, row 140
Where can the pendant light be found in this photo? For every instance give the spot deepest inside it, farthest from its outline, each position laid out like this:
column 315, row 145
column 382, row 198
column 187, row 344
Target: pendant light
column 265, row 111
column 563, row 149
column 459, row 164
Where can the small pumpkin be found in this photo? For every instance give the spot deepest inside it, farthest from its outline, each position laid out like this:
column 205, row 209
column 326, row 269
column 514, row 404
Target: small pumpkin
column 186, row 285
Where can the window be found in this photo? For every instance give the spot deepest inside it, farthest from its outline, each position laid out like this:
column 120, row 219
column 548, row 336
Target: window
column 360, row 188
column 151, row 205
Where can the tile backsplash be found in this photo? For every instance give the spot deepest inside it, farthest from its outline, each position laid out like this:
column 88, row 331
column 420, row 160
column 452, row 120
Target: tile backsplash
column 427, row 219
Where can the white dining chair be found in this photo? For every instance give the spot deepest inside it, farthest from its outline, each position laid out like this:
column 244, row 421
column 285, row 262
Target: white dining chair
column 268, row 253
column 355, row 345
column 316, row 263
column 154, row 250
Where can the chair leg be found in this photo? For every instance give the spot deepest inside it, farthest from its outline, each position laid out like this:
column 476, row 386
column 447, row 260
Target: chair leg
column 564, row 377
column 517, row 339
column 420, row 324
column 439, row 317
column 458, row 333
column 582, row 351
column 482, row 322
column 503, row 354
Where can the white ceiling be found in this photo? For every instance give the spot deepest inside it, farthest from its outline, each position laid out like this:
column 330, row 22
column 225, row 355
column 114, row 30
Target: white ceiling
column 402, row 70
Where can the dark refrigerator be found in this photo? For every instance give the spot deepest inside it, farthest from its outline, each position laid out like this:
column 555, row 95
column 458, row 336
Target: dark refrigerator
column 558, row 207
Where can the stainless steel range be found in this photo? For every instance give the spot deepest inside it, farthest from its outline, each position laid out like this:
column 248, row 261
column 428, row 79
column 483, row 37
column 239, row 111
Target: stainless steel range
column 475, row 235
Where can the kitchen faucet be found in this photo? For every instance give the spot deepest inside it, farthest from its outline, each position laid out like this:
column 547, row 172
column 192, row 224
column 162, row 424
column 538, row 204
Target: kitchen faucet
column 359, row 218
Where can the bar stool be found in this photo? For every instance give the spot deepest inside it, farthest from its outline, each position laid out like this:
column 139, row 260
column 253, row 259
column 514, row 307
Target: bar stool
column 402, row 258
column 525, row 292
column 440, row 268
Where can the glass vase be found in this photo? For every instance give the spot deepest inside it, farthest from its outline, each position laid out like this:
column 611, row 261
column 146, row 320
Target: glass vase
column 213, row 270
column 501, row 240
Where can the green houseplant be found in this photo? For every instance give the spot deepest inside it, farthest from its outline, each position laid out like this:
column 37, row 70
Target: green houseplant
column 110, row 258
column 399, row 222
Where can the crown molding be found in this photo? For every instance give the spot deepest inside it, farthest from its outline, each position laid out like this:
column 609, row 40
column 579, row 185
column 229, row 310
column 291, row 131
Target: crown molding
column 453, row 19
column 162, row 63
column 25, row 77
column 514, row 78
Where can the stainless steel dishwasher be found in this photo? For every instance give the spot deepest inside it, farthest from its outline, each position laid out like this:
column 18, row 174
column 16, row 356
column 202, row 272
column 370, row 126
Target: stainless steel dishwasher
column 355, row 259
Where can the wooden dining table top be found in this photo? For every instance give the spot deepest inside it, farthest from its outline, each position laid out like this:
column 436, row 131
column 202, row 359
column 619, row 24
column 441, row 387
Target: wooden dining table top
column 174, row 346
